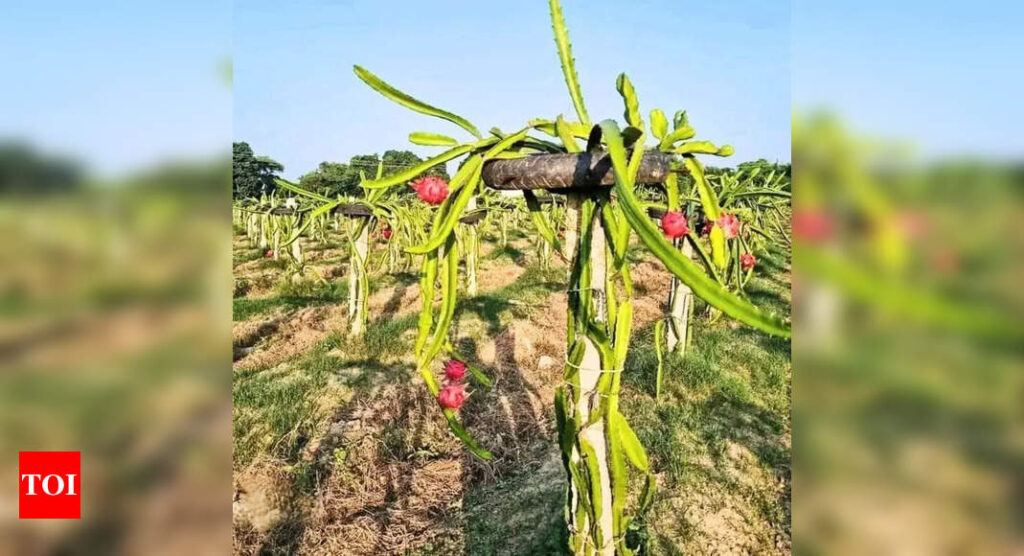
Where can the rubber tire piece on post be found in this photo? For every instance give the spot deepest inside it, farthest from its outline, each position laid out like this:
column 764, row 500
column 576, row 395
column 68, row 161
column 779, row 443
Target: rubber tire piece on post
column 353, row 210
column 556, row 172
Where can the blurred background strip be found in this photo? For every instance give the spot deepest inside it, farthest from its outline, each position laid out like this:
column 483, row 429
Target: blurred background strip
column 909, row 234
column 114, row 249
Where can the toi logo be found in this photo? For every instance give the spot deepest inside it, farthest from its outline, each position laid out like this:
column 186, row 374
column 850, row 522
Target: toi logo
column 49, row 485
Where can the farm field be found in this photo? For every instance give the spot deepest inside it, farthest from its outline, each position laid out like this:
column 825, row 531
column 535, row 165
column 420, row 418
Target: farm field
column 339, row 447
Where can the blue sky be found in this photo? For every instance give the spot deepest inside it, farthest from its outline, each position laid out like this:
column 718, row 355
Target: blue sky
column 126, row 83
column 946, row 75
column 118, row 84
column 297, row 100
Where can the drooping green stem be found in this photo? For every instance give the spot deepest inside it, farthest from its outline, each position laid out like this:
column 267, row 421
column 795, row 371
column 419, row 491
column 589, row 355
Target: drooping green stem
column 472, row 253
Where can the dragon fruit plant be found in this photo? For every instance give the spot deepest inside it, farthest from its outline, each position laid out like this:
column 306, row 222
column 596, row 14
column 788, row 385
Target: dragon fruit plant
column 754, row 211
column 469, row 243
column 738, row 213
column 267, row 223
column 596, row 441
column 409, row 222
column 556, row 215
column 284, row 225
column 356, row 231
column 506, row 213
column 262, row 223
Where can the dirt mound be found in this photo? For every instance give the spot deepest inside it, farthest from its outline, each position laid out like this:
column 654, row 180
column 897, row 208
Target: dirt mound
column 387, row 477
column 651, row 282
column 294, row 334
column 393, row 508
column 728, row 518
column 516, row 414
column 496, row 277
column 391, row 302
column 261, row 500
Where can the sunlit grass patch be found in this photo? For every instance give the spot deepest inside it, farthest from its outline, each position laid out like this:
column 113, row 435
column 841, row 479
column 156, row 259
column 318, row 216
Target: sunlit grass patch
column 509, row 252
column 306, row 293
column 242, row 256
column 728, row 396
column 277, row 410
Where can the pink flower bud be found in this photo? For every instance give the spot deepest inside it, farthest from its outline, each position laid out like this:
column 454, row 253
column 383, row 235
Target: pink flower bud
column 452, row 396
column 747, row 261
column 269, row 254
column 674, row 224
column 431, row 189
column 729, row 224
column 454, row 370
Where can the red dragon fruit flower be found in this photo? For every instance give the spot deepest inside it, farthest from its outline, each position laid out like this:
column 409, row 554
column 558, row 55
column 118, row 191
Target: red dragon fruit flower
column 454, row 370
column 747, row 261
column 452, row 396
column 386, row 232
column 431, row 189
column 674, row 224
column 729, row 224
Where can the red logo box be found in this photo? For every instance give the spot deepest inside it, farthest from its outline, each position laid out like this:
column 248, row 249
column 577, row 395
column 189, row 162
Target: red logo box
column 49, row 485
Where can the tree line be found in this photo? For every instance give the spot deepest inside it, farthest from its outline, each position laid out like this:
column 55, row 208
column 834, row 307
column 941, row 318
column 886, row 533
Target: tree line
column 254, row 175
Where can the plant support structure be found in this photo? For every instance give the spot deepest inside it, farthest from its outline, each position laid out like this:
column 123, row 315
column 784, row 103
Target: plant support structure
column 599, row 166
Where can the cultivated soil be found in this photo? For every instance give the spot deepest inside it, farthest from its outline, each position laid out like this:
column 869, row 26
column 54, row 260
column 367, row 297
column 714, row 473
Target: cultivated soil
column 339, row 448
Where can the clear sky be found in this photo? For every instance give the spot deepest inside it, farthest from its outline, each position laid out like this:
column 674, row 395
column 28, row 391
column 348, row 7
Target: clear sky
column 947, row 75
column 120, row 84
column 494, row 63
column 125, row 83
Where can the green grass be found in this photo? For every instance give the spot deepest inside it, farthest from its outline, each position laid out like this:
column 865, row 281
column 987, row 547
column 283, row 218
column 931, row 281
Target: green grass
column 305, row 294
column 507, row 252
column 283, row 404
column 242, row 256
column 523, row 511
column 519, row 299
column 275, row 410
column 308, row 293
column 730, row 388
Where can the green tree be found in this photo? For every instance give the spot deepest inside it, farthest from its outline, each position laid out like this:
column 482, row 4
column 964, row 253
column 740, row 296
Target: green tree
column 23, row 169
column 333, row 178
column 252, row 175
column 327, row 179
column 365, row 163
